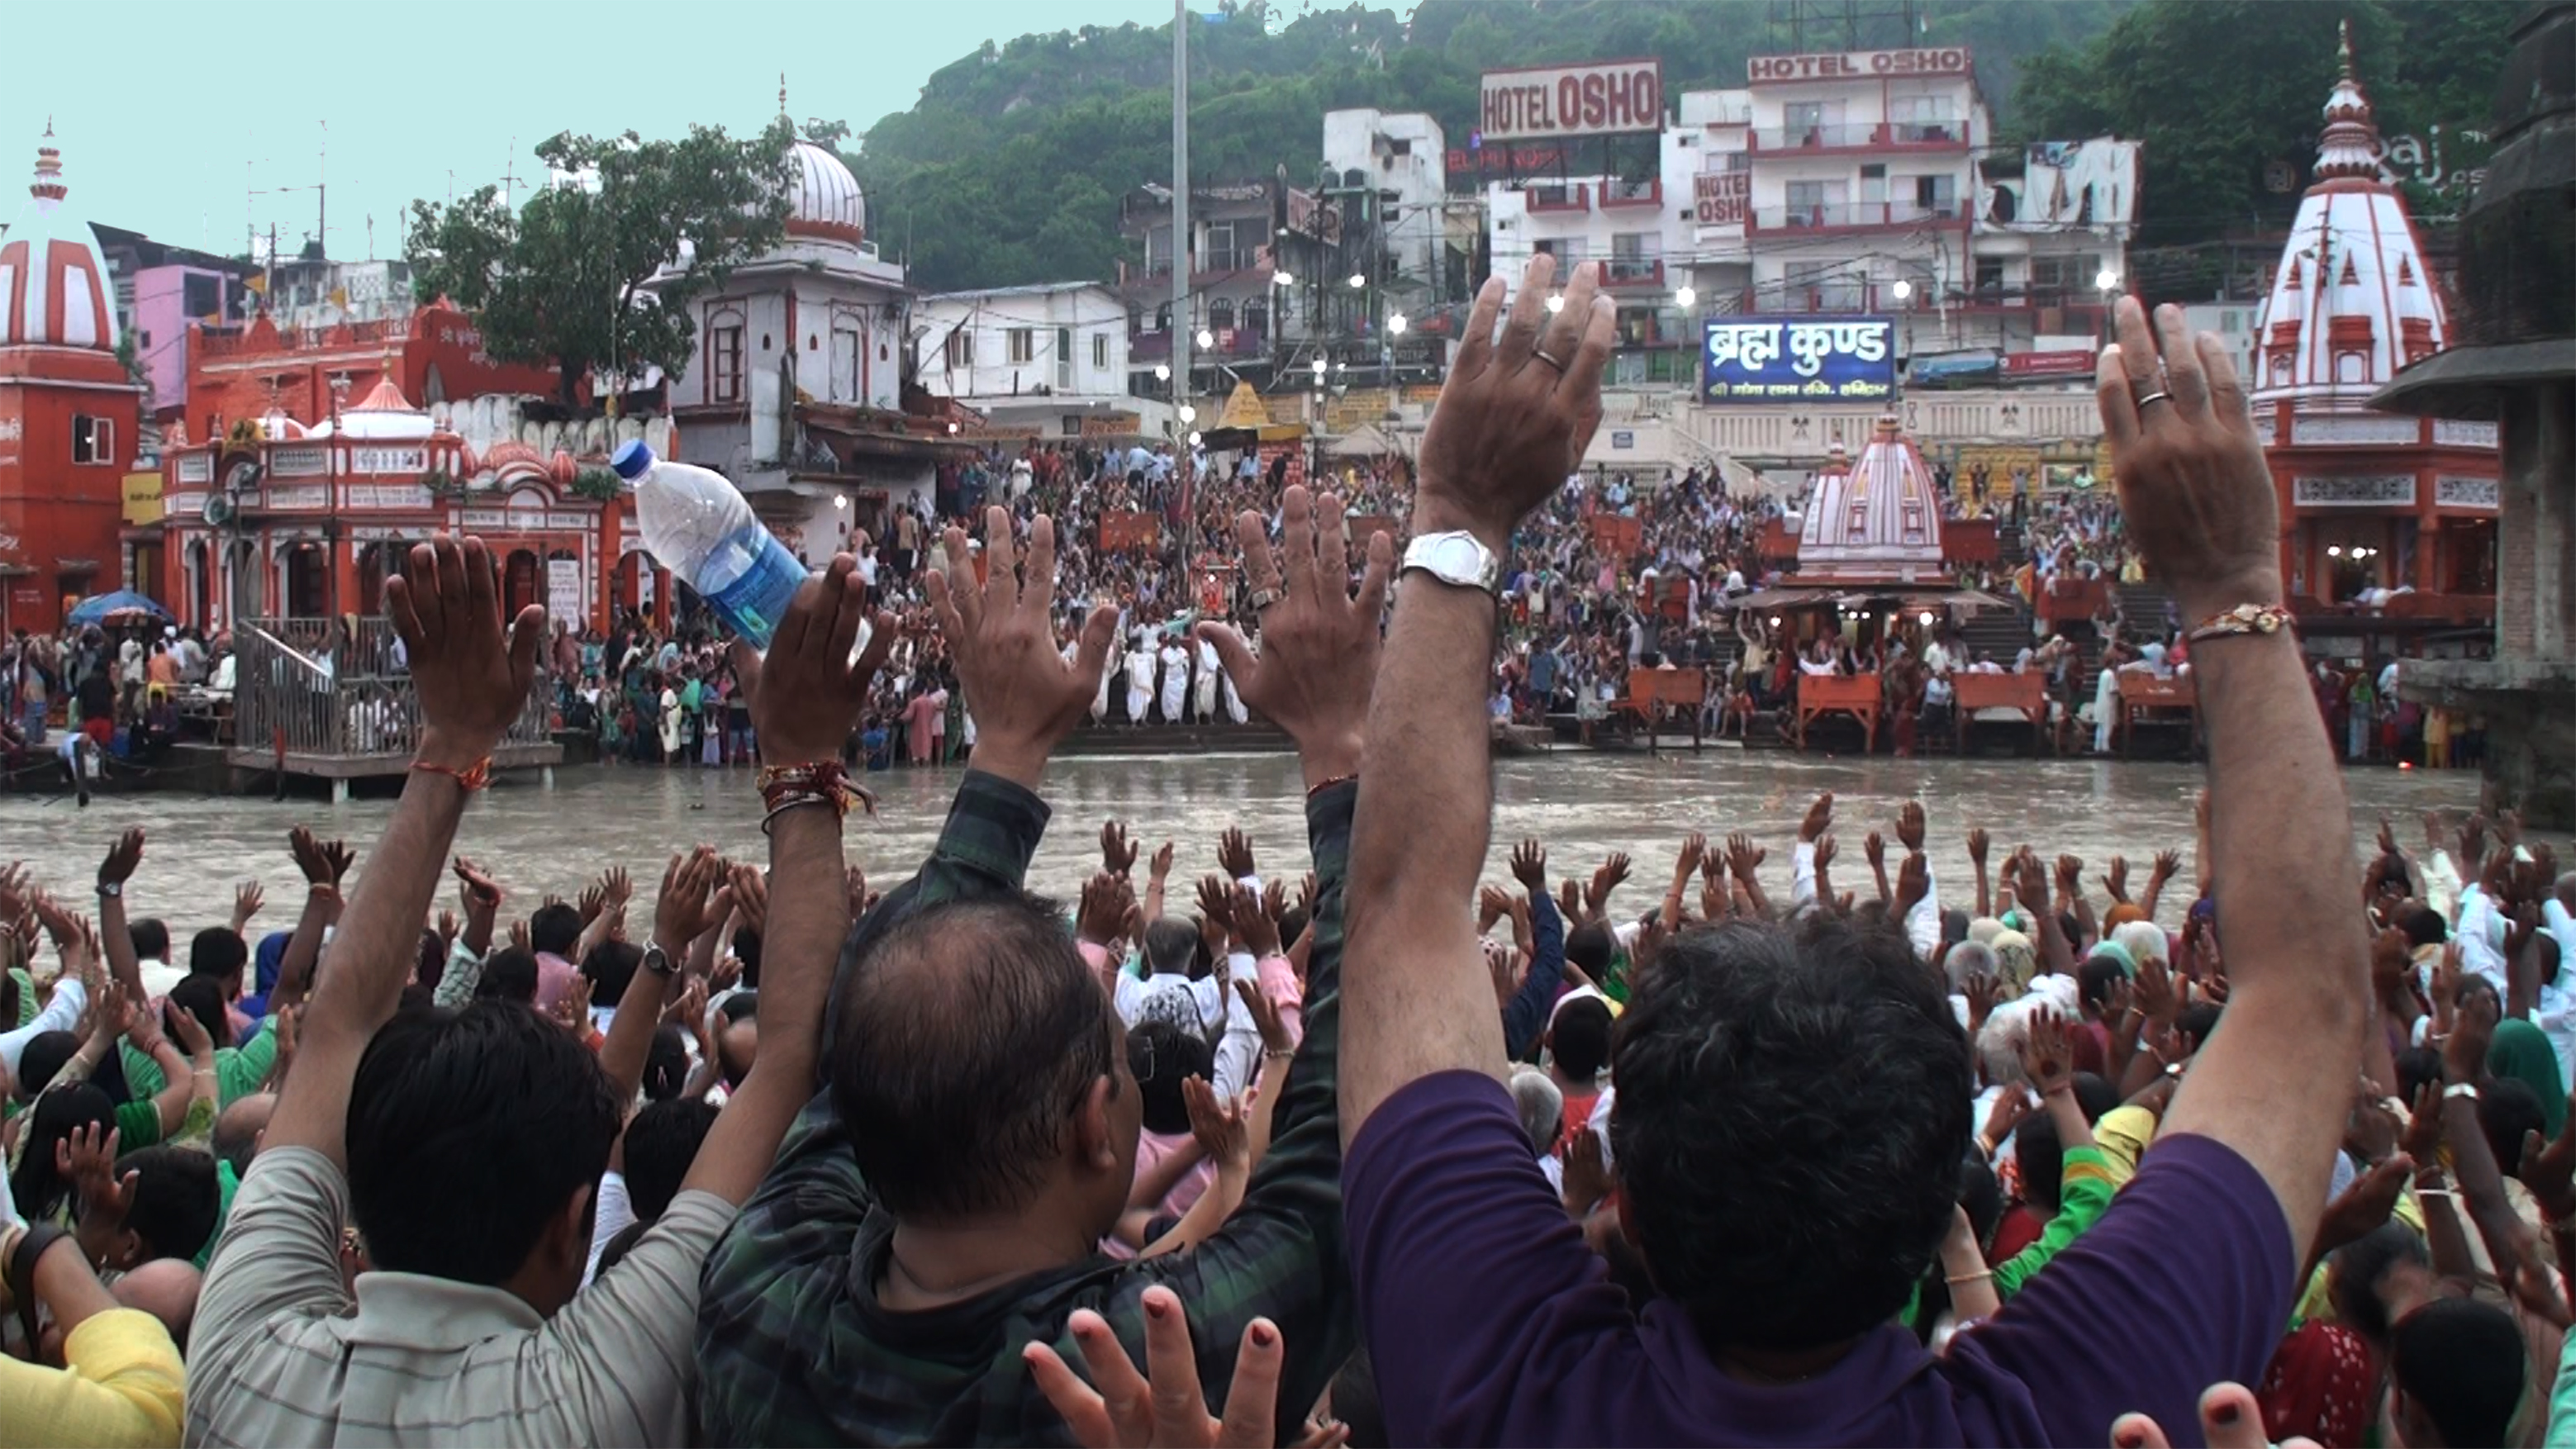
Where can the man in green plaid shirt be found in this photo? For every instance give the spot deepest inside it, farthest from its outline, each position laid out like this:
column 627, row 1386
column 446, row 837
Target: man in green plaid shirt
column 937, row 1208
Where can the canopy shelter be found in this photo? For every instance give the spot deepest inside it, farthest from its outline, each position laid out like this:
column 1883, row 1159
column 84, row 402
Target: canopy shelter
column 121, row 607
column 1368, row 441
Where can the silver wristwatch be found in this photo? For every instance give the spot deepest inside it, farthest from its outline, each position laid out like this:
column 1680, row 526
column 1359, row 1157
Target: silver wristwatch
column 659, row 962
column 1456, row 558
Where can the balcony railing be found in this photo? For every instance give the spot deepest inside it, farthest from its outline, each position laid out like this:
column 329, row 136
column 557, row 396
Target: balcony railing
column 1863, row 136
column 1574, row 197
column 1632, row 271
column 1649, row 192
column 1858, row 215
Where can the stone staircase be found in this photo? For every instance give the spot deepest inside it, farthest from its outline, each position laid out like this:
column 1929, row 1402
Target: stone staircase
column 1997, row 634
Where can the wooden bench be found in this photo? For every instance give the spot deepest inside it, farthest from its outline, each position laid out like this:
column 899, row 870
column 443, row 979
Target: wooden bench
column 1857, row 695
column 2142, row 694
column 1652, row 691
column 2026, row 692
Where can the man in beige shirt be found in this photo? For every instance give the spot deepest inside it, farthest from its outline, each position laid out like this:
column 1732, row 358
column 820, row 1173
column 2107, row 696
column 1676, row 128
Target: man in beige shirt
column 467, row 1147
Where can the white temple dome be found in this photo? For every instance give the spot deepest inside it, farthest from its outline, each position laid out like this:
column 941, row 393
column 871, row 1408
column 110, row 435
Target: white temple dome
column 823, row 197
column 54, row 282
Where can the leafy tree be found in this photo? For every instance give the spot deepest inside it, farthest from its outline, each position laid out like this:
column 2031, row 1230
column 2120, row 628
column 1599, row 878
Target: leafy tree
column 562, row 280
column 2221, row 89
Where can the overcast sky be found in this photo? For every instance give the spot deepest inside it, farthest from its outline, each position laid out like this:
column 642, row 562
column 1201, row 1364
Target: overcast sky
column 158, row 104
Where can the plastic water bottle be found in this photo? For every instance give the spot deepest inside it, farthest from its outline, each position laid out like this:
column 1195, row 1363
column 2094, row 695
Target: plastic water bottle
column 696, row 524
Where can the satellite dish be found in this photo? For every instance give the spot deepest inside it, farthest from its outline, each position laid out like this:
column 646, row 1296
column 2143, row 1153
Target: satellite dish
column 242, row 476
column 219, row 510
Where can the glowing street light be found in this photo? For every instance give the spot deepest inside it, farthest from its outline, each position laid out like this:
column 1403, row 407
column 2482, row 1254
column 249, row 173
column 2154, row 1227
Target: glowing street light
column 2106, row 280
column 1396, row 324
column 1321, row 367
column 1556, row 303
column 1189, row 414
column 1358, row 280
column 1206, row 338
column 1686, row 298
column 1282, row 279
column 1902, row 290
column 1194, row 437
column 1162, row 372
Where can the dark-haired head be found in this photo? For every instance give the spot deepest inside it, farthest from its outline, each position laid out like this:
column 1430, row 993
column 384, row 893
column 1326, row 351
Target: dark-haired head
column 203, row 998
column 2456, row 1366
column 1578, row 1038
column 1589, row 946
column 1162, row 1056
column 985, row 1067
column 174, row 1206
column 1785, row 1201
column 219, row 952
column 660, row 1144
column 666, row 1063
column 36, row 1189
column 746, row 949
column 151, row 939
column 510, row 975
column 476, row 1139
column 2387, row 1264
column 2423, row 927
column 610, row 966
column 554, row 930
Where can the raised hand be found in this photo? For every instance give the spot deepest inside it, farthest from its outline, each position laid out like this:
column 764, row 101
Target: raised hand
column 1980, row 990
column 247, row 899
column 1518, row 411
column 2195, row 492
column 807, row 691
column 1319, row 640
column 1607, row 878
column 1587, row 1175
column 2549, row 1170
column 1127, row 1411
column 592, row 902
column 2168, row 865
column 1910, row 824
column 1819, row 819
column 2070, row 876
column 1529, row 866
column 1234, row 854
column 1913, row 882
column 616, row 888
column 1216, row 901
column 749, row 885
column 685, row 910
column 2048, row 1056
column 1694, row 848
column 1160, row 868
column 1743, row 857
column 1978, row 842
column 1824, row 851
column 1266, row 1016
column 2364, row 1205
column 476, row 887
column 1492, row 904
column 2155, row 992
column 2387, row 836
column 1873, row 848
column 1001, row 636
column 471, row 678
column 2116, row 879
column 1259, row 932
column 1117, row 848
column 323, row 862
column 117, row 867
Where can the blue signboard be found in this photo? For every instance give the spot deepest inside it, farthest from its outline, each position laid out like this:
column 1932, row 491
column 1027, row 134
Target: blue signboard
column 1804, row 359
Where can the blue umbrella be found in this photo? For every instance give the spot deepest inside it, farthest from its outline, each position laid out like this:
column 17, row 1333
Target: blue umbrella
column 100, row 608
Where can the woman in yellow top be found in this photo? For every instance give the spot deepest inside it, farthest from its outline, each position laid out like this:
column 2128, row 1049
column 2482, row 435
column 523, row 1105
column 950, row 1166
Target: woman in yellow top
column 121, row 1383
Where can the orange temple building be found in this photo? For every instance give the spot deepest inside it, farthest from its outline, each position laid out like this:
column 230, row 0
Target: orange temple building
column 68, row 410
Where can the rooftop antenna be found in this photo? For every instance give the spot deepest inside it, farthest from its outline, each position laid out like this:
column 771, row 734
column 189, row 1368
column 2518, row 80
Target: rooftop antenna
column 322, row 195
column 510, row 174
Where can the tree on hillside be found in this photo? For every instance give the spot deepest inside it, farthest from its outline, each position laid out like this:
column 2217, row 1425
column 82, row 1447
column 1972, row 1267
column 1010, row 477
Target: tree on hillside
column 2220, row 89
column 560, row 281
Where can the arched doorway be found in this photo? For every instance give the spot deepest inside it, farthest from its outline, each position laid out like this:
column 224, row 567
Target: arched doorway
column 199, row 565
column 521, row 583
column 377, row 562
column 307, row 582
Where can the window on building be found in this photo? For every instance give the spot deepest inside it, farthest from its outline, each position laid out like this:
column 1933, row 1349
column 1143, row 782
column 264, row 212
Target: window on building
column 961, row 348
column 1221, row 253
column 93, row 439
column 1163, row 318
column 1256, row 318
column 1818, row 203
column 1822, row 287
column 724, row 363
column 1220, row 315
column 200, row 296
column 1803, row 123
column 1100, row 349
column 1064, row 357
column 1936, row 196
column 1873, row 183
column 1922, row 118
column 1399, row 146
column 1024, row 344
column 1990, row 278
column 845, row 365
column 1158, row 249
column 1566, row 249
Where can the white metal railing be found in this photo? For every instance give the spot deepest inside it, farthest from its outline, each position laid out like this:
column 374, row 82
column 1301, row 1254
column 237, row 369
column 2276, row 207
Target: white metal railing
column 308, row 688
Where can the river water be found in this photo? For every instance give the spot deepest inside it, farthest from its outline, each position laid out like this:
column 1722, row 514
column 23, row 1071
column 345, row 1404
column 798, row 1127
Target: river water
column 1582, row 804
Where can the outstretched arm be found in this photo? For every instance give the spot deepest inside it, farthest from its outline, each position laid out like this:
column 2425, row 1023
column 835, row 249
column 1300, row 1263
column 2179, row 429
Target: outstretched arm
column 1510, row 427
column 2199, row 500
column 472, row 679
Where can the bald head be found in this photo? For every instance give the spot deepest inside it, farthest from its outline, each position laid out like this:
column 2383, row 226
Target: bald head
column 239, row 1127
column 166, row 1288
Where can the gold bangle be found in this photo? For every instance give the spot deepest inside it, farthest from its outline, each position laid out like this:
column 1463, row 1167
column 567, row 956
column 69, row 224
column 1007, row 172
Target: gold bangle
column 1968, row 1277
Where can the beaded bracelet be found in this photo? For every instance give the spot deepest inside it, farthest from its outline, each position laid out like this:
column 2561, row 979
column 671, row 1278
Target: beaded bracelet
column 472, row 778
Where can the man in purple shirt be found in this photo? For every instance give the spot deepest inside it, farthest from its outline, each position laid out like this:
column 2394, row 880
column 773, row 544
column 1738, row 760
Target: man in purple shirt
column 1791, row 1100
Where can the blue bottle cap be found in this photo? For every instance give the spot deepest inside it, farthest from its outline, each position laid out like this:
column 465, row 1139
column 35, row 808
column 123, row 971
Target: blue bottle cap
column 632, row 460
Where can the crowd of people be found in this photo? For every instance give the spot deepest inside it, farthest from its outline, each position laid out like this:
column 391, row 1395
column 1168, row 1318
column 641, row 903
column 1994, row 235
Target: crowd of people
column 1347, row 1147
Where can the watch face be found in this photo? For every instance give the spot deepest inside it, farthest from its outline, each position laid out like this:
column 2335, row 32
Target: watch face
column 1457, row 559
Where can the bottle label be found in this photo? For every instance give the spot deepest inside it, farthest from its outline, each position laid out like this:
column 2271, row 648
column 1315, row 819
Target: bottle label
column 753, row 604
